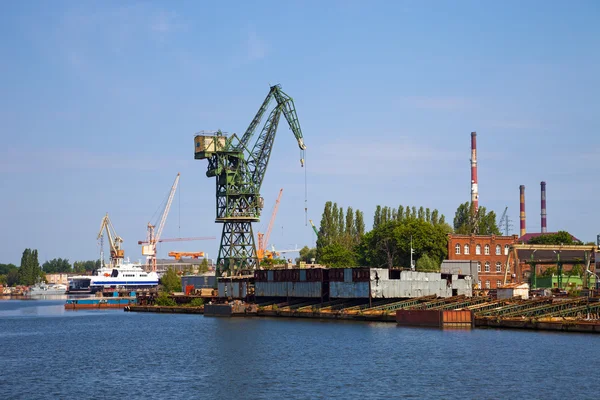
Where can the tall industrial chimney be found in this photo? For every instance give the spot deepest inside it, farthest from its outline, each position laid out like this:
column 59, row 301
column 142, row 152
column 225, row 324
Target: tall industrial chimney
column 474, row 189
column 522, row 208
column 544, row 228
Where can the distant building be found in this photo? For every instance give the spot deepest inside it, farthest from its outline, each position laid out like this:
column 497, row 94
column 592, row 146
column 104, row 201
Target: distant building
column 488, row 251
column 528, row 236
column 512, row 290
column 62, row 279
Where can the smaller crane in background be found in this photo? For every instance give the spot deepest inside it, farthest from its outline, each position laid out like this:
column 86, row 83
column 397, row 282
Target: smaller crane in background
column 314, row 227
column 154, row 235
column 179, row 254
column 263, row 239
column 114, row 240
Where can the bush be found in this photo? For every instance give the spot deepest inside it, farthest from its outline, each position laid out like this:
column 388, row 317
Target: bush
column 163, row 299
column 197, row 302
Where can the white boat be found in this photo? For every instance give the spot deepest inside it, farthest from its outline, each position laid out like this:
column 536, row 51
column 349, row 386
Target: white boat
column 47, row 289
column 127, row 275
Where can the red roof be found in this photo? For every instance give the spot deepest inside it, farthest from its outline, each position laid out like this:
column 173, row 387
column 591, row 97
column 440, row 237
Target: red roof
column 528, row 236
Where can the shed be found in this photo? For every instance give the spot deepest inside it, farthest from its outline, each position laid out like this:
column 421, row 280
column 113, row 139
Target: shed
column 513, row 289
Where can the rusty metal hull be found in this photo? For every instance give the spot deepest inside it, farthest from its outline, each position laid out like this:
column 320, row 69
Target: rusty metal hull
column 435, row 318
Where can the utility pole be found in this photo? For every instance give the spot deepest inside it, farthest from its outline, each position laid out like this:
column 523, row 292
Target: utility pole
column 412, row 265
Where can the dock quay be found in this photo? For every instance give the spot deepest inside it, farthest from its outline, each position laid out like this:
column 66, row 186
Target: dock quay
column 580, row 314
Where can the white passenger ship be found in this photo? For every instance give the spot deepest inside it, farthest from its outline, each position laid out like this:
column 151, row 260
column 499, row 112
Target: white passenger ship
column 127, row 275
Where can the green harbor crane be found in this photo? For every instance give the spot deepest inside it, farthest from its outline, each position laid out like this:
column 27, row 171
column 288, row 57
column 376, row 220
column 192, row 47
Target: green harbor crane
column 239, row 169
column 314, row 228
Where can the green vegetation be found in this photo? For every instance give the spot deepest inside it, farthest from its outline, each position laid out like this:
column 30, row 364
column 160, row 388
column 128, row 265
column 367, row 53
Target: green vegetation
column 307, row 254
column 57, row 265
column 464, row 223
column 561, row 237
column 197, row 302
column 30, row 271
column 339, row 234
column 171, row 281
column 203, row 266
column 163, row 299
column 81, row 267
column 388, row 244
column 342, row 242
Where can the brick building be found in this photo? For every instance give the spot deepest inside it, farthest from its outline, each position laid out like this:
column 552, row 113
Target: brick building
column 489, row 251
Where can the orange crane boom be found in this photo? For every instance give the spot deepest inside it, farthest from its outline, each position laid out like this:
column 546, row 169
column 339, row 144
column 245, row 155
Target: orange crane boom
column 263, row 239
column 179, row 254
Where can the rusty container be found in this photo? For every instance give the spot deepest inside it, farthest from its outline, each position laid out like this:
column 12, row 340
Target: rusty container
column 429, row 318
column 457, row 318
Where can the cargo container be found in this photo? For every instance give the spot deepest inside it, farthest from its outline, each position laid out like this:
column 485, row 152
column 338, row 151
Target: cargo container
column 198, row 281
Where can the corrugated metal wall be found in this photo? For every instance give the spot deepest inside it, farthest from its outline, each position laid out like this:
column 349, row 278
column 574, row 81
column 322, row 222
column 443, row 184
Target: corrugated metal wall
column 235, row 290
column 349, row 290
column 285, row 289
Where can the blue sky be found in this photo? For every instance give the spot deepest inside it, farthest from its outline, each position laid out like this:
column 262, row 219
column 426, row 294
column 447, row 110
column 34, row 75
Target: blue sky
column 100, row 102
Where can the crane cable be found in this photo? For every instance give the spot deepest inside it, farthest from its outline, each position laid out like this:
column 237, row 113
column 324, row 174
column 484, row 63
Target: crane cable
column 305, row 190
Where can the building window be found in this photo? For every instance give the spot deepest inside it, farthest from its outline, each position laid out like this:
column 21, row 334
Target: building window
column 498, row 283
column 498, row 250
column 487, row 266
column 478, row 249
column 487, row 250
column 466, row 249
column 457, row 249
column 487, row 284
column 506, row 250
column 478, row 266
column 498, row 267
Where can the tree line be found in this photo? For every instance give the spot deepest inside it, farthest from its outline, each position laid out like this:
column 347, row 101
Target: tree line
column 342, row 240
column 29, row 272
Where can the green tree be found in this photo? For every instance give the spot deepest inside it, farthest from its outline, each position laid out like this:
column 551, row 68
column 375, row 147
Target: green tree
column 335, row 229
column 341, row 224
column 421, row 214
column 171, row 281
column 12, row 278
column 337, row 256
column 435, row 217
column 360, row 224
column 377, row 217
column 307, row 254
column 389, row 244
column 203, row 267
column 29, row 271
column 465, row 220
column 400, row 213
column 561, row 237
column 57, row 265
column 426, row 264
column 6, row 268
column 82, row 267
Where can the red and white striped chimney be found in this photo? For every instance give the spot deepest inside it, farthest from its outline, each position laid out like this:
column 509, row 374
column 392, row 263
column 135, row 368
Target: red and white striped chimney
column 474, row 188
column 544, row 228
column 522, row 208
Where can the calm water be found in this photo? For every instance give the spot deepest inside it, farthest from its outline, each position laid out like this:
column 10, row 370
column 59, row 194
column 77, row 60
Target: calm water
column 49, row 353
